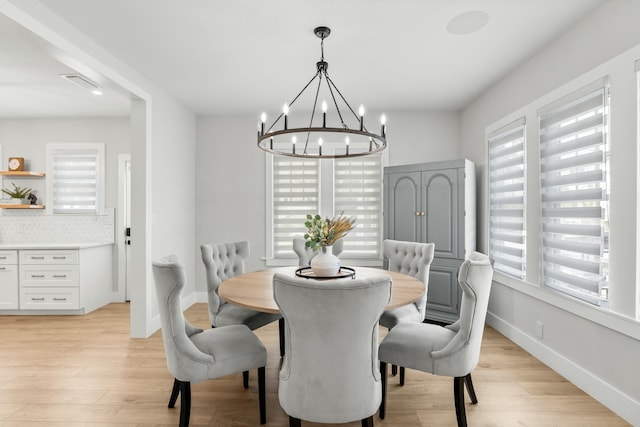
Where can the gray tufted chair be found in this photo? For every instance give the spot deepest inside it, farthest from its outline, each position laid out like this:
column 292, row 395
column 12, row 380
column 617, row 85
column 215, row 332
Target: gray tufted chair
column 452, row 350
column 223, row 261
column 194, row 355
column 330, row 370
column 414, row 259
column 305, row 255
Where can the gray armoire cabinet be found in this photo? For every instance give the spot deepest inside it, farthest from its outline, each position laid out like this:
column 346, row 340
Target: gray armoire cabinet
column 434, row 202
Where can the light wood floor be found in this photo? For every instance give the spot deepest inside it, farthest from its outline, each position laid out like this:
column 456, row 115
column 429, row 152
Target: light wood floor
column 85, row 371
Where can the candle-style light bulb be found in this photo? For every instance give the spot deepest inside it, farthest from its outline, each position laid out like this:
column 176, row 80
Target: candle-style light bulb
column 361, row 113
column 320, row 146
column 324, row 114
column 293, row 141
column 285, row 111
column 383, row 123
column 263, row 119
column 346, row 143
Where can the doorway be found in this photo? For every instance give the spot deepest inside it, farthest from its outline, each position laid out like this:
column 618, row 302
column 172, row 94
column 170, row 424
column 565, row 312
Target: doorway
column 123, row 231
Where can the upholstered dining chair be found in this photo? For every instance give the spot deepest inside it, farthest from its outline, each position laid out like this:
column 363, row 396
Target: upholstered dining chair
column 414, row 259
column 330, row 370
column 305, row 254
column 223, row 261
column 194, row 355
column 451, row 350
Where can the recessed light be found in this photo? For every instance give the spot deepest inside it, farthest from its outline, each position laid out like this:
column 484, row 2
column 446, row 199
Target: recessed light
column 468, row 22
column 84, row 82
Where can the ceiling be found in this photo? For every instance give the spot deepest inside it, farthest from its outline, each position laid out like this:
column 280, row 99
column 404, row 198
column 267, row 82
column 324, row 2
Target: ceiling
column 247, row 56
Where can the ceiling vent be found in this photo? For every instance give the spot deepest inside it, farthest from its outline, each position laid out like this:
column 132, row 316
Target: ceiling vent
column 82, row 81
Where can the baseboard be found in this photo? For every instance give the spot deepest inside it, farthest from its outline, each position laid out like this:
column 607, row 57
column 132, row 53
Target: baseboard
column 605, row 393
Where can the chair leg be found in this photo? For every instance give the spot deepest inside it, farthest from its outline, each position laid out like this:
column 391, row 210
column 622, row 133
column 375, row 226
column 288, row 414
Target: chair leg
column 458, row 393
column 383, row 378
column 367, row 422
column 245, row 379
column 185, row 403
column 281, row 332
column 174, row 393
column 261, row 395
column 470, row 390
column 294, row 422
column 394, row 370
column 401, row 375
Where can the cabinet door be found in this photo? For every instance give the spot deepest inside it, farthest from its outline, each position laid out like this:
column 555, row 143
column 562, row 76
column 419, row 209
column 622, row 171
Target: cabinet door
column 440, row 204
column 442, row 293
column 403, row 203
column 8, row 286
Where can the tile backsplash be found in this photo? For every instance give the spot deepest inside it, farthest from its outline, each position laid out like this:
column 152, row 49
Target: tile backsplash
column 26, row 226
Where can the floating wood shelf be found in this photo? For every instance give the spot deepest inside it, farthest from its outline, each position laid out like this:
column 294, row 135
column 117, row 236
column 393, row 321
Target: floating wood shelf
column 21, row 206
column 21, row 173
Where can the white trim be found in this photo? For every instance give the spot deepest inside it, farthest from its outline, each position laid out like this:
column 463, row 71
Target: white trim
column 607, row 394
column 119, row 292
column 616, row 322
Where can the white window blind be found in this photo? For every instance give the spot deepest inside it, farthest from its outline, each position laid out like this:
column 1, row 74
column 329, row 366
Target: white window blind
column 358, row 193
column 574, row 189
column 76, row 183
column 507, row 237
column 296, row 191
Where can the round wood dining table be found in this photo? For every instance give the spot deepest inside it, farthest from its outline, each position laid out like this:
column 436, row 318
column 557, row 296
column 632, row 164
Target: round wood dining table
column 255, row 289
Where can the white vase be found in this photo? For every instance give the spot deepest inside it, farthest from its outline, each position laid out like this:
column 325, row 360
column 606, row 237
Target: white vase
column 325, row 264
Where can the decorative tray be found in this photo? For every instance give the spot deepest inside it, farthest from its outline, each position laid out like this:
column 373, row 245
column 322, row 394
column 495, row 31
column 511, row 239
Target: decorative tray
column 343, row 272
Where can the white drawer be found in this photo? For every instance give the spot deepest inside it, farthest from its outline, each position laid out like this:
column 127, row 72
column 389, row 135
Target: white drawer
column 8, row 257
column 49, row 257
column 49, row 298
column 49, row 275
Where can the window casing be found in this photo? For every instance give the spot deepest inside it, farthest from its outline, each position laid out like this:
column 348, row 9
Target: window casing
column 574, row 177
column 76, row 181
column 507, row 208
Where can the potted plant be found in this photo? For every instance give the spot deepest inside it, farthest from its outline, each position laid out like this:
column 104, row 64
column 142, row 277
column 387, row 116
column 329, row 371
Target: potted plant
column 322, row 234
column 18, row 194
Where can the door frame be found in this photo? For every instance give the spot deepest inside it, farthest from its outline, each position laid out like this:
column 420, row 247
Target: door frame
column 120, row 290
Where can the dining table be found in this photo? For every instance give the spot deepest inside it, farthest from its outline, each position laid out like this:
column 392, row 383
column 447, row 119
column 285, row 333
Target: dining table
column 254, row 289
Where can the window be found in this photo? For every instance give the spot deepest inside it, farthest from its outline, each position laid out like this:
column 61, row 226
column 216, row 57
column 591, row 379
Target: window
column 507, row 237
column 76, row 178
column 349, row 186
column 295, row 193
column 574, row 168
column 358, row 193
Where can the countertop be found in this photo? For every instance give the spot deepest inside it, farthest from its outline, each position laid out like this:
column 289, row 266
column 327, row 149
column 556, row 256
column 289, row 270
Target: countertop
column 69, row 245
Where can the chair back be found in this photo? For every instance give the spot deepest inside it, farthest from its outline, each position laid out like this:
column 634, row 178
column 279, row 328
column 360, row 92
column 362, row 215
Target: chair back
column 475, row 277
column 185, row 361
column 305, row 254
column 330, row 372
column 221, row 261
column 414, row 259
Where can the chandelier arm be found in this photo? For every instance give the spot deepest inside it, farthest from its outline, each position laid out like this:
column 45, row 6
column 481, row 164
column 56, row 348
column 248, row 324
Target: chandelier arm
column 329, row 83
column 342, row 97
column 294, row 100
column 313, row 111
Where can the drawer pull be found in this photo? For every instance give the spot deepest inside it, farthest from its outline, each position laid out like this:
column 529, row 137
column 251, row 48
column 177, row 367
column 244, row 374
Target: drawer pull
column 2, row 268
column 3, row 257
column 59, row 299
column 37, row 299
column 59, row 276
column 37, row 276
column 37, row 257
column 59, row 257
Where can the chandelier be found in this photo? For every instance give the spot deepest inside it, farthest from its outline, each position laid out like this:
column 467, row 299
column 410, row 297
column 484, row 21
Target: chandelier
column 338, row 140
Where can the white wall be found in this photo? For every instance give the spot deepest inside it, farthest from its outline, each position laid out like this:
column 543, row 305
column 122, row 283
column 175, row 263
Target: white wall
column 592, row 348
column 28, row 138
column 230, row 179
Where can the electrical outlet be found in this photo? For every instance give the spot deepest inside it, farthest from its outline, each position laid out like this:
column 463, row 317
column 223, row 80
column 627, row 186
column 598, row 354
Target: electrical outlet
column 539, row 329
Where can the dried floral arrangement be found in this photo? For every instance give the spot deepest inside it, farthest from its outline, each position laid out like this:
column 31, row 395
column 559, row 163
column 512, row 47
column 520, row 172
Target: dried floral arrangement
column 325, row 232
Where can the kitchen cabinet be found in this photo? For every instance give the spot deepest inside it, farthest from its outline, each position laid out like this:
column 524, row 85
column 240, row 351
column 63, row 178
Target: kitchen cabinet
column 8, row 280
column 434, row 202
column 73, row 280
